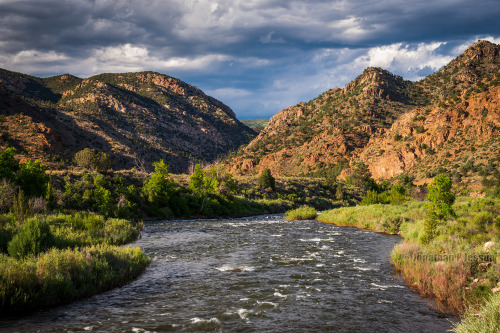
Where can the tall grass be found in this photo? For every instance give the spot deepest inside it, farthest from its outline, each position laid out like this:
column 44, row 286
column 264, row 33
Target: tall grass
column 301, row 213
column 59, row 258
column 378, row 217
column 84, row 229
column 448, row 268
column 486, row 320
column 62, row 276
column 445, row 281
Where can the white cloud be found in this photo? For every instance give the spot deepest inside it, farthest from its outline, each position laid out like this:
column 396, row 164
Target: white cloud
column 462, row 47
column 30, row 61
column 405, row 59
column 268, row 39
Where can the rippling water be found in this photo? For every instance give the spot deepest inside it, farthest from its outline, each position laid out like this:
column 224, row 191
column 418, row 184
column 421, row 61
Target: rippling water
column 252, row 275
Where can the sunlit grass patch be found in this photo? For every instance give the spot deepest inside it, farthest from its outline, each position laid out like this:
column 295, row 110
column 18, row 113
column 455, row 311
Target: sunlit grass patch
column 487, row 319
column 301, row 213
column 62, row 276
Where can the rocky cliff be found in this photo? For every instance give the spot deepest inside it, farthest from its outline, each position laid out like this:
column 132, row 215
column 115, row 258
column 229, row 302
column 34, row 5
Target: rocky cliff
column 133, row 116
column 395, row 126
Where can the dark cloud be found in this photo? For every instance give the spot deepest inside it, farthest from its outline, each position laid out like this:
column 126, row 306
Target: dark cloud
column 253, row 54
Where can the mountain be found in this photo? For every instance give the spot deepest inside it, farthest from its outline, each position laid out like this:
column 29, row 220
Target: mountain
column 393, row 125
column 459, row 127
column 135, row 117
column 321, row 133
column 256, row 124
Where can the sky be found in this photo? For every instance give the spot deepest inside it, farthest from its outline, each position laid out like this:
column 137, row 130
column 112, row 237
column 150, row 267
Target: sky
column 256, row 56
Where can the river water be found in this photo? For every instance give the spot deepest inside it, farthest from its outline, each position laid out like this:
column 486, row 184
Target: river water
column 252, row 275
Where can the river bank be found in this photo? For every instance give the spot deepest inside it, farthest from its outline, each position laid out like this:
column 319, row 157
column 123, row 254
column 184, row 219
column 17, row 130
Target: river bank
column 456, row 268
column 258, row 274
column 55, row 259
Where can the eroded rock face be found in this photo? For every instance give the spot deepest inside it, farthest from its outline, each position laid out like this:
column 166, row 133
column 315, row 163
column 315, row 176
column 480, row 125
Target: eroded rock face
column 471, row 124
column 147, row 114
column 394, row 126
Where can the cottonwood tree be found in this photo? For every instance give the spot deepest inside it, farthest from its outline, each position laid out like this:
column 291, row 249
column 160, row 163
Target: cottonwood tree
column 158, row 187
column 215, row 180
column 440, row 207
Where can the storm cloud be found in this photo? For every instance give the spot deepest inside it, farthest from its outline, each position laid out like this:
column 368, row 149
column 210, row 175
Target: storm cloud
column 257, row 56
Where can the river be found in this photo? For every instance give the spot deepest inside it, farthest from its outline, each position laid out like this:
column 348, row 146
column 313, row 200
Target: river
column 259, row 274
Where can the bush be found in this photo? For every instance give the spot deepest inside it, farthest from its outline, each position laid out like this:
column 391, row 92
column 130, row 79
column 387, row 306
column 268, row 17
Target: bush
column 92, row 160
column 8, row 164
column 34, row 237
column 301, row 213
column 372, row 197
column 32, row 178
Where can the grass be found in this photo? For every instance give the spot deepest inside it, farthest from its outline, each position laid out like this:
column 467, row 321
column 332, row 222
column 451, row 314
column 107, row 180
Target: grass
column 79, row 258
column 301, row 213
column 453, row 268
column 487, row 319
column 62, row 276
column 378, row 217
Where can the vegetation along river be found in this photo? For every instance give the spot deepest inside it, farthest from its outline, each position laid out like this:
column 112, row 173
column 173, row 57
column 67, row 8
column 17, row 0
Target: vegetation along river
column 252, row 275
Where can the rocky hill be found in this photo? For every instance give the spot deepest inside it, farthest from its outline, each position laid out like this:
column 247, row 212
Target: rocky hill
column 444, row 121
column 329, row 128
column 135, row 117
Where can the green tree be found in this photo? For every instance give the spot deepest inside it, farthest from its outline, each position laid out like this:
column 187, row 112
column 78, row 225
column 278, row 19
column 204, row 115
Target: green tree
column 8, row 164
column 339, row 192
column 225, row 181
column 32, row 178
column 440, row 206
column 158, row 188
column 441, row 198
column 203, row 184
column 266, row 180
column 362, row 177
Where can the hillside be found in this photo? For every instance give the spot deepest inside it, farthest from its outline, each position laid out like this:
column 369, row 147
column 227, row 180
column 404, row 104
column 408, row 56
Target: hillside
column 256, row 124
column 136, row 117
column 329, row 128
column 395, row 126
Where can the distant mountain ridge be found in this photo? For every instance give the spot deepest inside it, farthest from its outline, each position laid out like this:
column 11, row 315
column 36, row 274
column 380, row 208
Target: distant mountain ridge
column 393, row 125
column 142, row 116
column 256, row 124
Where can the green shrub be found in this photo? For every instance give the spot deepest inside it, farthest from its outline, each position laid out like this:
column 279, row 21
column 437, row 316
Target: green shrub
column 301, row 213
column 8, row 164
column 95, row 161
column 372, row 197
column 86, row 221
column 32, row 178
column 33, row 238
column 361, row 177
column 158, row 187
column 119, row 231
